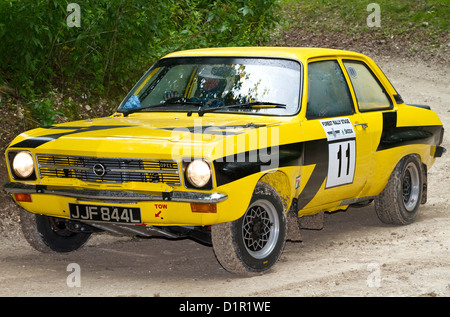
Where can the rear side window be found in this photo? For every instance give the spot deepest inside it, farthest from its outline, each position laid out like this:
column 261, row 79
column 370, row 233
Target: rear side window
column 370, row 94
column 328, row 93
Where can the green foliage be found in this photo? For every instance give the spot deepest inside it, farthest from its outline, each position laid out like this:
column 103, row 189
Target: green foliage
column 430, row 18
column 43, row 112
column 117, row 40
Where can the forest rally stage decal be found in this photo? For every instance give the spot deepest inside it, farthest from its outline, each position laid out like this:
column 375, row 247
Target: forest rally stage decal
column 341, row 151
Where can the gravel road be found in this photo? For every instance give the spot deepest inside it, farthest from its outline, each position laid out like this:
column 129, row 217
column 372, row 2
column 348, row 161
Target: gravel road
column 354, row 255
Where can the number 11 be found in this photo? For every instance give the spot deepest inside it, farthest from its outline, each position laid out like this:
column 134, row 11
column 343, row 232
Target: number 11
column 339, row 157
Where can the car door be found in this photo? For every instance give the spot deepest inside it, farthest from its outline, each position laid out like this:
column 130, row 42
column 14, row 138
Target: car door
column 376, row 108
column 337, row 140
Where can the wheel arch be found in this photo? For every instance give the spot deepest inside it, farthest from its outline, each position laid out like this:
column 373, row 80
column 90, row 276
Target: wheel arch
column 280, row 182
column 384, row 174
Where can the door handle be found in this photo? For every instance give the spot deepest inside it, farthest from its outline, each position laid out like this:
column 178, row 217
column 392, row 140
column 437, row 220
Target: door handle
column 363, row 125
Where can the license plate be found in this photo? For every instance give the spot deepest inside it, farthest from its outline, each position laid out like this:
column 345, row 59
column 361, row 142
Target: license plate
column 119, row 214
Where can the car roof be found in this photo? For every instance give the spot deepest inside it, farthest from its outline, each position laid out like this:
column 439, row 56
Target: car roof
column 298, row 53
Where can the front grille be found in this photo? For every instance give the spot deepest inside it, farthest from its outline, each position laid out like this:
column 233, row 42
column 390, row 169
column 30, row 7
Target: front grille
column 112, row 170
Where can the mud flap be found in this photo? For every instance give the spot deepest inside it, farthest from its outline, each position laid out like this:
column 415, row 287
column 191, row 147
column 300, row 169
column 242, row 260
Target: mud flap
column 292, row 227
column 425, row 184
column 293, row 232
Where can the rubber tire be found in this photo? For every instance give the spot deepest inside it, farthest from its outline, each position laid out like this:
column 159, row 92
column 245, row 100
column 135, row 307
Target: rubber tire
column 389, row 205
column 39, row 233
column 228, row 242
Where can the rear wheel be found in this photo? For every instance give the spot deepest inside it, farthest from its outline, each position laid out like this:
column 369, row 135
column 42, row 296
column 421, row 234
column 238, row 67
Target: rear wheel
column 50, row 234
column 399, row 202
column 254, row 242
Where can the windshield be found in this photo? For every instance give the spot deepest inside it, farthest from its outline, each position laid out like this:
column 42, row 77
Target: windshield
column 225, row 84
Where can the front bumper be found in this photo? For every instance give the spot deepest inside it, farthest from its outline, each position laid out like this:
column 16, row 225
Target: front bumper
column 173, row 208
column 117, row 195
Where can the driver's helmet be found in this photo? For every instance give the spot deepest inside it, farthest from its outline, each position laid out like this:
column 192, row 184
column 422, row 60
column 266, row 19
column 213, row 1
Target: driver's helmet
column 215, row 78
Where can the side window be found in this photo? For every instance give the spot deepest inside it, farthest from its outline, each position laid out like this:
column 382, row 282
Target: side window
column 370, row 95
column 328, row 93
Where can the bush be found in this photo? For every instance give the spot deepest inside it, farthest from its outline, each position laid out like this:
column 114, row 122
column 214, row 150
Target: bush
column 117, row 40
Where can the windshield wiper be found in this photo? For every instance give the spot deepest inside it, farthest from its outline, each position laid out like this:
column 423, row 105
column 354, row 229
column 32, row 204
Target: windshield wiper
column 130, row 111
column 183, row 102
column 253, row 104
column 173, row 103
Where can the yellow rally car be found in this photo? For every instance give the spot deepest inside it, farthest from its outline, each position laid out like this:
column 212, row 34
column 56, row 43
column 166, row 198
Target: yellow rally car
column 237, row 147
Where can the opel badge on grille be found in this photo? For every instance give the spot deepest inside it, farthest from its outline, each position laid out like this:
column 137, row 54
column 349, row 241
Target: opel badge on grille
column 99, row 169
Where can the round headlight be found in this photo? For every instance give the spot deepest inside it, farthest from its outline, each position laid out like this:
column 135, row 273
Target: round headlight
column 23, row 165
column 198, row 173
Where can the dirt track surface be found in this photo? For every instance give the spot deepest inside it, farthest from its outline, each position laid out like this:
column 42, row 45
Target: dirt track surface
column 354, row 255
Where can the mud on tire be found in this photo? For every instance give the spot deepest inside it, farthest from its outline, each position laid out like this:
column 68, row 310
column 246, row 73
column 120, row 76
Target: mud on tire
column 399, row 202
column 48, row 234
column 254, row 242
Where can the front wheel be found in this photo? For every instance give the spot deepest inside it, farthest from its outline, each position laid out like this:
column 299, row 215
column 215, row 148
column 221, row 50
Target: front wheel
column 49, row 234
column 254, row 242
column 399, row 202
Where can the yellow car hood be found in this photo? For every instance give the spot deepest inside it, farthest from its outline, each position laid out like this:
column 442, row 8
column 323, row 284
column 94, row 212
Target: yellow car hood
column 159, row 135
